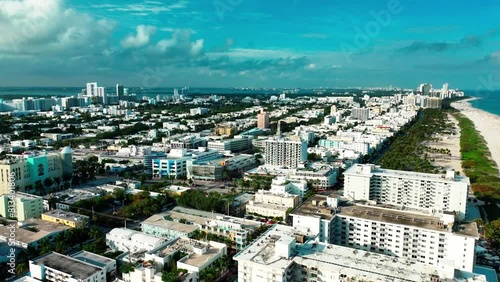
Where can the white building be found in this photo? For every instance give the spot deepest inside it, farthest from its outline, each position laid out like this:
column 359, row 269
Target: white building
column 198, row 256
column 56, row 267
column 198, row 111
column 283, row 254
column 285, row 152
column 282, row 185
column 360, row 113
column 433, row 192
column 270, row 204
column 238, row 144
column 414, row 236
column 128, row 240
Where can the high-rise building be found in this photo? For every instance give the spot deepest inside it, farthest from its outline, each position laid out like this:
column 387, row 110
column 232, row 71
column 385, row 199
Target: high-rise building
column 424, row 88
column 101, row 92
column 444, row 91
column 432, row 102
column 333, row 109
column 263, row 119
column 92, row 89
column 120, row 91
column 433, row 192
column 285, row 152
column 416, row 236
column 284, row 254
column 410, row 100
column 360, row 113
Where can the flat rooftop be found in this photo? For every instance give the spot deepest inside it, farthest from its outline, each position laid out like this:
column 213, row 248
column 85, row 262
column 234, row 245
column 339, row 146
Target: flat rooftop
column 71, row 266
column 407, row 218
column 27, row 196
column 202, row 218
column 159, row 220
column 332, row 258
column 269, row 206
column 92, row 258
column 66, row 215
column 317, row 210
column 363, row 169
column 200, row 259
column 24, row 235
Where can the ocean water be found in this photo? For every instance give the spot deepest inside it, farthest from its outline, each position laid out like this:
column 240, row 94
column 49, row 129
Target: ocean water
column 488, row 101
column 70, row 91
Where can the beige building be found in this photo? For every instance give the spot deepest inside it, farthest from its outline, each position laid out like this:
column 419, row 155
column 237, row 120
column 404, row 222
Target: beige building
column 269, row 204
column 263, row 120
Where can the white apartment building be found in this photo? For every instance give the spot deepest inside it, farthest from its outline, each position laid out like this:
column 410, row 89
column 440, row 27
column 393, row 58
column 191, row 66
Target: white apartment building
column 232, row 145
column 418, row 237
column 198, row 111
column 282, row 254
column 320, row 178
column 55, row 267
column 128, row 240
column 432, row 192
column 360, row 114
column 282, row 185
column 285, row 152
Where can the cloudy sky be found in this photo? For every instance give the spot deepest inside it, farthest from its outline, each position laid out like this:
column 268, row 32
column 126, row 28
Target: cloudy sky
column 248, row 43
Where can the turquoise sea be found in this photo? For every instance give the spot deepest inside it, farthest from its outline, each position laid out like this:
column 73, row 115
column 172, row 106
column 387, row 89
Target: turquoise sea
column 488, row 101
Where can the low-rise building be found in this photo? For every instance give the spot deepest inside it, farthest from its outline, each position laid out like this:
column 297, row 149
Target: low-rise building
column 67, row 218
column 21, row 206
column 161, row 225
column 30, row 232
column 108, row 264
column 55, row 267
column 270, row 204
column 128, row 240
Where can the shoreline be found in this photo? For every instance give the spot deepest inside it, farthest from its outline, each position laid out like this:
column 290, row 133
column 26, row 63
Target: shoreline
column 486, row 123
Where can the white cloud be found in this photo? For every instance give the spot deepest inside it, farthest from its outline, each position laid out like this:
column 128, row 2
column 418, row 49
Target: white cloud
column 141, row 38
column 146, row 7
column 180, row 44
column 31, row 27
column 311, row 66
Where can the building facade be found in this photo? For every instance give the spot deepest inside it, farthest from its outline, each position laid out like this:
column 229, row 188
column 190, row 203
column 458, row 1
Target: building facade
column 30, row 168
column 285, row 152
column 22, row 205
column 263, row 120
column 433, row 192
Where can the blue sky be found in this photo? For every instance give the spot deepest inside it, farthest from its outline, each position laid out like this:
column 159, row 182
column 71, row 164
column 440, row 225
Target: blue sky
column 226, row 43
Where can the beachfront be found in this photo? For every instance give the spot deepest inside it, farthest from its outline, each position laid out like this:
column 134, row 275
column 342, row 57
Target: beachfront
column 486, row 123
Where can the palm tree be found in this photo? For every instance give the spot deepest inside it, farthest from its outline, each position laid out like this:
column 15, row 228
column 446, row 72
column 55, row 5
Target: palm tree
column 39, row 187
column 57, row 180
column 21, row 268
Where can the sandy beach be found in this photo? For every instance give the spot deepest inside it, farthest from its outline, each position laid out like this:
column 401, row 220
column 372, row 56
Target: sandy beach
column 450, row 142
column 486, row 123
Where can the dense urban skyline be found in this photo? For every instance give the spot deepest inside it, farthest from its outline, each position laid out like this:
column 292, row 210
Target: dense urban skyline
column 247, row 43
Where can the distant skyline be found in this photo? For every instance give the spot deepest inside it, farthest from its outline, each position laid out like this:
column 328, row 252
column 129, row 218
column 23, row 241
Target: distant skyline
column 242, row 43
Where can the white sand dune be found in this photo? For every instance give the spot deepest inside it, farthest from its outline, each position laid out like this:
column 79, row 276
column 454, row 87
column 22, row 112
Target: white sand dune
column 486, row 123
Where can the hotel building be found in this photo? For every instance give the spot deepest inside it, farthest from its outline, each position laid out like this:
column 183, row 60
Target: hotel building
column 282, row 254
column 433, row 192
